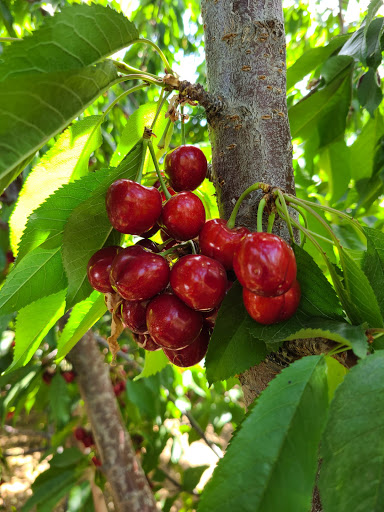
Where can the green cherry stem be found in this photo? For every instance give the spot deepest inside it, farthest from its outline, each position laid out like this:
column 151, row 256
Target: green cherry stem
column 163, row 186
column 256, row 186
column 285, row 210
column 126, row 68
column 260, row 211
column 305, row 220
column 161, row 144
column 193, row 247
column 271, row 220
column 168, row 68
column 163, row 98
column 182, row 125
column 139, row 175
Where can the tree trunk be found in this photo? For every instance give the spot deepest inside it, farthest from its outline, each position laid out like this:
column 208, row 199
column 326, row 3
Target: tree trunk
column 129, row 486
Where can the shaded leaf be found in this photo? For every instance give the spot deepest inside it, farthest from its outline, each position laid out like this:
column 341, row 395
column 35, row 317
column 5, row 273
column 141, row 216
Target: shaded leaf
column 273, row 457
column 369, row 91
column 364, row 148
column 192, row 476
column 373, row 264
column 352, row 445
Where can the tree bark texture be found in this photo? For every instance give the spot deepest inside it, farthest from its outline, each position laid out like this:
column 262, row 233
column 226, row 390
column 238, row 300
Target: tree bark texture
column 250, row 136
column 129, row 486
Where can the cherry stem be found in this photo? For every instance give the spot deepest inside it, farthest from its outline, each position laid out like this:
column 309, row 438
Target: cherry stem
column 260, row 211
column 172, row 249
column 161, row 144
column 162, row 100
column 139, row 175
column 338, row 349
column 126, row 68
column 168, row 68
column 285, row 210
column 303, row 216
column 182, row 125
column 162, row 183
column 164, row 244
column 192, row 246
column 375, row 330
column 271, row 220
column 256, row 186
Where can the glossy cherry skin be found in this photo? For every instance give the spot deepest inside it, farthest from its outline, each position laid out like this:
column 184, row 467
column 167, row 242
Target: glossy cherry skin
column 146, row 342
column 138, row 274
column 218, row 241
column 171, row 323
column 133, row 315
column 131, row 207
column 99, row 267
column 186, row 167
column 191, row 355
column 199, row 281
column 271, row 310
column 183, row 216
column 151, row 232
column 265, row 264
column 148, row 244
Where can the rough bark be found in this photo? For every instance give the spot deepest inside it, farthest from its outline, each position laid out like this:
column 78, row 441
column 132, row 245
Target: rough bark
column 129, row 486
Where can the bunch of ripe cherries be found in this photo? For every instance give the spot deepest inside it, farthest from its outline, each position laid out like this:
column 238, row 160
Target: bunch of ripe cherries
column 169, row 300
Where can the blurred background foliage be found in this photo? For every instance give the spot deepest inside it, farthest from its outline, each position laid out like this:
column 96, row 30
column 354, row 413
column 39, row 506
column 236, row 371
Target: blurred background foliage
column 338, row 161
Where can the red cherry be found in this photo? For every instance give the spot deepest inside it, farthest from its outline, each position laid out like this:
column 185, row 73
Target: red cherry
column 69, row 376
column 171, row 323
column 99, row 267
column 170, row 190
column 151, row 232
column 146, row 342
column 47, row 377
column 183, row 216
column 10, row 415
column 138, row 274
column 119, row 387
column 132, row 208
column 133, row 315
column 199, row 281
column 88, row 440
column 271, row 310
column 148, row 244
column 186, row 167
column 80, row 433
column 97, row 462
column 210, row 317
column 218, row 241
column 192, row 354
column 265, row 264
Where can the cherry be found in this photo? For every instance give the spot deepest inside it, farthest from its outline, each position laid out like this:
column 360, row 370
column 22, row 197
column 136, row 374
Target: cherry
column 271, row 310
column 47, row 377
column 119, row 387
column 210, row 317
column 10, row 415
column 132, row 208
column 148, row 244
column 199, row 281
column 68, row 376
column 133, row 315
column 183, row 216
column 151, row 232
column 171, row 323
column 99, row 267
column 138, row 274
column 218, row 241
column 80, row 433
column 96, row 461
column 170, row 190
column 265, row 264
column 192, row 354
column 186, row 167
column 146, row 342
column 88, row 440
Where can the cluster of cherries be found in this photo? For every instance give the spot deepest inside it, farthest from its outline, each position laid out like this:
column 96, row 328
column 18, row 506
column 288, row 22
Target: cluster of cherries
column 172, row 304
column 86, row 438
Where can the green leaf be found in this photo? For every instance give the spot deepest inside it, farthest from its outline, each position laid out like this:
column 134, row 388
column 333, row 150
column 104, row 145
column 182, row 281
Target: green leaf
column 322, row 114
column 372, row 48
column 232, row 349
column 133, row 131
column 336, row 373
column 66, row 160
column 88, row 229
column 369, row 91
column 364, row 148
column 335, row 161
column 154, row 363
column 373, row 264
column 32, row 324
column 311, row 59
column 59, row 410
column 192, row 476
column 76, row 37
column 38, row 274
column 351, row 476
column 36, row 108
column 83, row 316
column 363, row 303
column 69, row 457
column 272, row 460
column 335, row 66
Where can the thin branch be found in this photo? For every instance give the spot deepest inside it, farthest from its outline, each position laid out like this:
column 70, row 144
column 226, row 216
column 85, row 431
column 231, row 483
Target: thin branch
column 103, row 342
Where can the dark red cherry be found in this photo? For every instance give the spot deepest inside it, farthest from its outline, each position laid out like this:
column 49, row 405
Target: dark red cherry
column 119, row 387
column 99, row 267
column 132, row 208
column 69, row 376
column 146, row 342
column 151, row 232
column 47, row 377
column 96, row 461
column 183, row 216
column 79, row 433
column 271, row 310
column 186, row 167
column 265, row 264
column 138, row 274
column 88, row 440
column 192, row 354
column 171, row 323
column 133, row 315
column 218, row 241
column 199, row 281
column 148, row 244
column 170, row 190
column 210, row 317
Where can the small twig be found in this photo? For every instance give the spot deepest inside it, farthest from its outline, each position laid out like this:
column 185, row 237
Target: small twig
column 179, row 486
column 101, row 341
